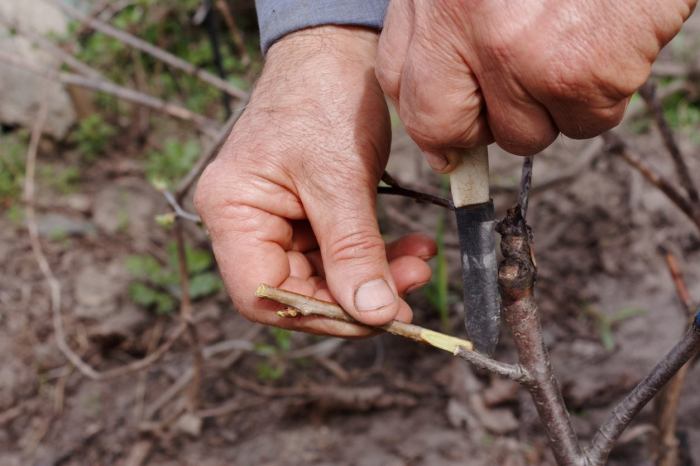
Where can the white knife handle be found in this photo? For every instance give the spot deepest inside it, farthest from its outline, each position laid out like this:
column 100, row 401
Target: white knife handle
column 469, row 181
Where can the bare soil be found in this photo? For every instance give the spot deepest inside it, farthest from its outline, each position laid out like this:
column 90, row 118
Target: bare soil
column 380, row 401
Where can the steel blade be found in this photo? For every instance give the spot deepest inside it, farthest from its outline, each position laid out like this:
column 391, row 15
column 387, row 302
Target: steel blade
column 482, row 301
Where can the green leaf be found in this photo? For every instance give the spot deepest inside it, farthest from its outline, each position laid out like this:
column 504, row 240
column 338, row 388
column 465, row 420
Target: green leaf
column 147, row 297
column 626, row 313
column 204, row 284
column 283, row 338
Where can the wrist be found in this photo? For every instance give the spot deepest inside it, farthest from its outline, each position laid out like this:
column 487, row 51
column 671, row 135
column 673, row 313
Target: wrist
column 349, row 44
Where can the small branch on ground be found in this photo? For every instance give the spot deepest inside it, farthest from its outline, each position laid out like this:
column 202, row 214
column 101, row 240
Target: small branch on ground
column 186, row 318
column 648, row 93
column 236, row 35
column 53, row 283
column 666, row 406
column 624, row 412
column 678, row 281
column 37, row 249
column 150, row 49
column 203, row 123
column 615, row 145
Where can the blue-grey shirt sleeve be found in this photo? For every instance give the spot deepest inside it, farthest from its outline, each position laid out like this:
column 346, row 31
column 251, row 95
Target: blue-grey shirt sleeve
column 277, row 18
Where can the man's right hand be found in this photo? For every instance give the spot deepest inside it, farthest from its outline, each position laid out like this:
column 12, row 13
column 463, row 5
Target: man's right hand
column 290, row 200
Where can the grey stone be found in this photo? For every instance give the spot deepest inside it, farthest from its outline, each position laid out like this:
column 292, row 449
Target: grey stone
column 54, row 225
column 97, row 290
column 23, row 90
column 124, row 322
column 127, row 207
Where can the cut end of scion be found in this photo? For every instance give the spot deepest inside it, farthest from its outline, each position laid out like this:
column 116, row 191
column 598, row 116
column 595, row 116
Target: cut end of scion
column 446, row 342
column 261, row 291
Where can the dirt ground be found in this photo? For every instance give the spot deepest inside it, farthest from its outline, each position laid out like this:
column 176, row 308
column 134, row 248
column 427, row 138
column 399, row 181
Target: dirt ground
column 381, row 401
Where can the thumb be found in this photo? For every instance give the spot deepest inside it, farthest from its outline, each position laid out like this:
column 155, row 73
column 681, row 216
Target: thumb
column 354, row 255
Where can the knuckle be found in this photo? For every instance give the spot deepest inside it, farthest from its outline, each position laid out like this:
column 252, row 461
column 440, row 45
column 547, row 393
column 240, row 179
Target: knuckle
column 582, row 79
column 433, row 125
column 524, row 143
column 428, row 128
column 357, row 246
column 596, row 122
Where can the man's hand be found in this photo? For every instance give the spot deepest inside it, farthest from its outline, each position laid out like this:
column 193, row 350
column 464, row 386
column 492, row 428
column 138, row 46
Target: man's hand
column 290, row 200
column 466, row 72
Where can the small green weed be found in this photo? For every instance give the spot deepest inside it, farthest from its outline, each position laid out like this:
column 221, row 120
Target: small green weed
column 63, row 180
column 165, row 166
column 605, row 324
column 92, row 136
column 438, row 290
column 12, row 151
column 274, row 366
column 157, row 286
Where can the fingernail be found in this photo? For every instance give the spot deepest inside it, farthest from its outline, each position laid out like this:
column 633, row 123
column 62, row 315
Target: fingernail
column 415, row 287
column 373, row 295
column 437, row 162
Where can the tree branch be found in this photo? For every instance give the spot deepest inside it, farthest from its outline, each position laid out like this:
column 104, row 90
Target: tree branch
column 396, row 189
column 516, row 278
column 152, row 50
column 624, row 412
column 525, row 184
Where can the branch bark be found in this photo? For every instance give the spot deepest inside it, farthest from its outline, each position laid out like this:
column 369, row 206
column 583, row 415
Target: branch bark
column 624, row 412
column 395, row 188
column 516, row 278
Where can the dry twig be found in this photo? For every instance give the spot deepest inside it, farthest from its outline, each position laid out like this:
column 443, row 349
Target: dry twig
column 616, row 145
column 53, row 283
column 648, row 93
column 150, row 49
column 186, row 317
column 669, row 399
column 225, row 11
column 130, row 95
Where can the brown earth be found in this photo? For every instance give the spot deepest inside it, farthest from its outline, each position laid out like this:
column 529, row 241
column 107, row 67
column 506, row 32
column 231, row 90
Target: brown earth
column 380, row 401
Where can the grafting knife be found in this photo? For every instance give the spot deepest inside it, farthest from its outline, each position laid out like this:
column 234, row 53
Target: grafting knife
column 469, row 183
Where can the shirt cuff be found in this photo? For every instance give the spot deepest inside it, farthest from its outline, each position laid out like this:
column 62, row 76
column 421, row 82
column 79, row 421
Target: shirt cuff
column 277, row 18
